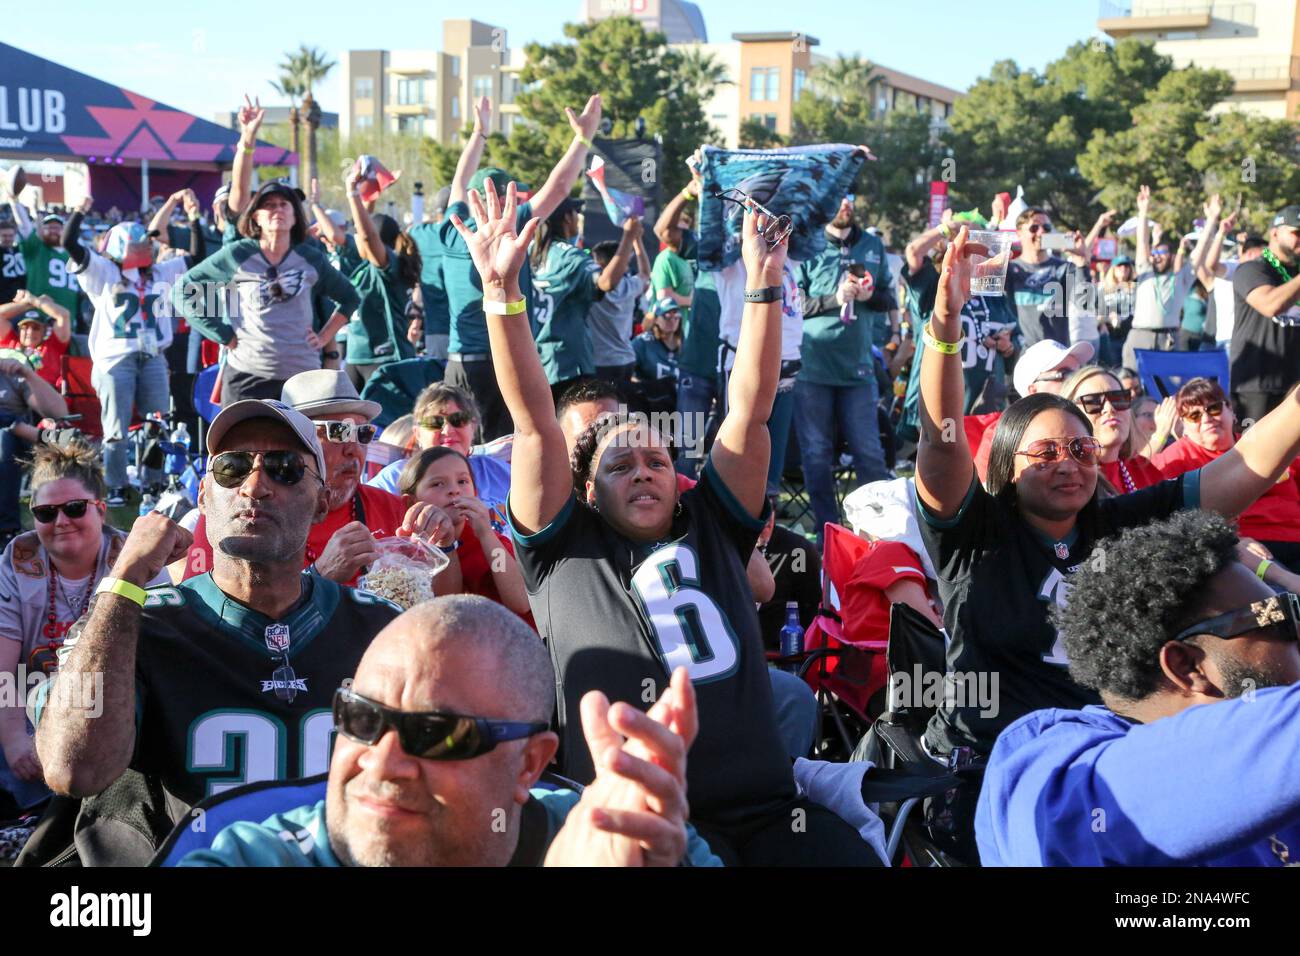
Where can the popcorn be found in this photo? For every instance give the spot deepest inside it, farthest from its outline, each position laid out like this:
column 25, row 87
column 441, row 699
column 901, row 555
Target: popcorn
column 404, row 571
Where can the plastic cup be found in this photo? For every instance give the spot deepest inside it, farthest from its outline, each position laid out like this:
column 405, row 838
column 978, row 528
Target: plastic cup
column 989, row 273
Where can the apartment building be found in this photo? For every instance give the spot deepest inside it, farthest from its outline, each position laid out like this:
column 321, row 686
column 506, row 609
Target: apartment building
column 1257, row 42
column 430, row 92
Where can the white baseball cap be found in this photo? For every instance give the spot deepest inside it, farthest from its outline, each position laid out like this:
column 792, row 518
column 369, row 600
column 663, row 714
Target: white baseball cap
column 1047, row 356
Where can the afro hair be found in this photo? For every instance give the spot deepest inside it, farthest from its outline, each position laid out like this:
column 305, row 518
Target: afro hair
column 1136, row 592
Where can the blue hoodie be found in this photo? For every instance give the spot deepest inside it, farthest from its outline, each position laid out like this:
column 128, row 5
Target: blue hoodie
column 1215, row 785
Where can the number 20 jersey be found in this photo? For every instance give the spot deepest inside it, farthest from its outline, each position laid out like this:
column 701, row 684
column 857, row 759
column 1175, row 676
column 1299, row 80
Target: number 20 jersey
column 619, row 617
column 208, row 715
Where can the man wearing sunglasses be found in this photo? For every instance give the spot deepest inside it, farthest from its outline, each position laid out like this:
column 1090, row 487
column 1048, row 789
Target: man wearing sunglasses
column 442, row 738
column 341, row 545
column 1163, row 284
column 1169, row 622
column 1043, row 289
column 251, row 651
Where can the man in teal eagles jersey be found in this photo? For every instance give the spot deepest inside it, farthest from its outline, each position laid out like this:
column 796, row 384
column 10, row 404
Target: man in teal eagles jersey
column 226, row 678
column 442, row 737
column 433, row 288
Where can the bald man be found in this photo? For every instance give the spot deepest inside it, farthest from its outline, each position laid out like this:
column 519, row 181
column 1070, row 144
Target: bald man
column 442, row 737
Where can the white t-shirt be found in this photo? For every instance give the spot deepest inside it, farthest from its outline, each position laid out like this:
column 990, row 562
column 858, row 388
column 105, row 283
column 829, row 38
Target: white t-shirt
column 1158, row 301
column 131, row 315
column 731, row 298
column 1223, row 305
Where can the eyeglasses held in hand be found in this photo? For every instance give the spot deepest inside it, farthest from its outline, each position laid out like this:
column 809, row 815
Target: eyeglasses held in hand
column 229, row 469
column 429, row 735
column 73, row 509
column 1047, row 450
column 778, row 228
column 342, row 432
column 1212, row 410
column 457, row 420
column 1093, row 402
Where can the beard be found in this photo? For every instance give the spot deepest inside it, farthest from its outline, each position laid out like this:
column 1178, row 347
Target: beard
column 1240, row 679
column 842, row 220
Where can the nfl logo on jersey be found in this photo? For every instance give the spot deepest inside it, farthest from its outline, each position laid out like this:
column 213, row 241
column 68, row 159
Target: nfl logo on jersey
column 277, row 638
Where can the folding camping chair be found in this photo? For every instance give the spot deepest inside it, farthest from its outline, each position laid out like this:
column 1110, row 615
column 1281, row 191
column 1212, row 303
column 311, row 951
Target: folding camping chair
column 80, row 395
column 846, row 675
column 1164, row 373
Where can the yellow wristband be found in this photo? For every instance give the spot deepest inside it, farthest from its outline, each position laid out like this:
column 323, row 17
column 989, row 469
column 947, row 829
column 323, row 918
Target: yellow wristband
column 1263, row 568
column 686, row 192
column 505, row 308
column 947, row 348
column 584, row 141
column 947, row 232
column 123, row 588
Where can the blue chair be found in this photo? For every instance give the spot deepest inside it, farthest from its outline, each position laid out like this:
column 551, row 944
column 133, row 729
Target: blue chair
column 1164, row 373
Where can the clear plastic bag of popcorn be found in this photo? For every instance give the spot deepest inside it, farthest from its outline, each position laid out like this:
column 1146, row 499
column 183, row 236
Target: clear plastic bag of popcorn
column 404, row 571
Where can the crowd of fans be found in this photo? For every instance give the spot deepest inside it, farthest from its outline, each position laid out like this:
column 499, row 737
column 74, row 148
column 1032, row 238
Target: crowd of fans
column 619, row 470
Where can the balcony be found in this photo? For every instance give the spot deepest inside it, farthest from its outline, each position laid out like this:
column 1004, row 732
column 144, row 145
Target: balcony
column 1256, row 74
column 409, row 109
column 1121, row 19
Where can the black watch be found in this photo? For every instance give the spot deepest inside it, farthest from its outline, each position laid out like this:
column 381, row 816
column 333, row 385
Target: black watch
column 771, row 294
column 332, row 355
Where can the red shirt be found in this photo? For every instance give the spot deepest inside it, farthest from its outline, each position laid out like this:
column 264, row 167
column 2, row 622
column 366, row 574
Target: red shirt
column 1274, row 517
column 383, row 514
column 47, row 358
column 476, row 572
column 1141, row 472
column 985, row 445
column 864, row 608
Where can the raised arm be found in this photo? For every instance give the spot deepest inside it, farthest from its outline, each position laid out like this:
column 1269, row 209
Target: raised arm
column 71, row 238
column 918, row 250
column 251, row 115
column 21, row 219
column 1098, row 227
column 612, row 274
column 558, row 185
column 1232, row 482
column 1212, row 268
column 540, row 481
column 369, row 246
column 944, row 465
column 163, row 217
column 472, row 154
column 1213, row 208
column 331, row 232
column 1142, row 261
column 666, row 229
column 741, row 451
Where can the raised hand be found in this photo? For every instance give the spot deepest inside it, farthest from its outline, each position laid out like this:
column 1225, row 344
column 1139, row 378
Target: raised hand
column 498, row 252
column 482, row 115
column 1144, row 201
column 1000, row 207
column 191, row 203
column 155, row 541
column 954, row 281
column 1106, row 218
column 764, row 262
column 1213, row 207
column 585, row 125
column 87, row 205
column 251, row 115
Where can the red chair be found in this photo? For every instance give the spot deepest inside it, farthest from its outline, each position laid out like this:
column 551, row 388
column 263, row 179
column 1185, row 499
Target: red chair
column 80, row 395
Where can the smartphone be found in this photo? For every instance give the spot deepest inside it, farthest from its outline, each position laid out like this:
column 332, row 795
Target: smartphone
column 1058, row 240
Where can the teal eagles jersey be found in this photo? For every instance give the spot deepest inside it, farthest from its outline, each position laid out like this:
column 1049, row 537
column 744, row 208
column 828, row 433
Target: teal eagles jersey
column 437, row 317
column 562, row 293
column 377, row 332
column 699, row 352
column 463, row 286
column 216, row 705
column 654, row 360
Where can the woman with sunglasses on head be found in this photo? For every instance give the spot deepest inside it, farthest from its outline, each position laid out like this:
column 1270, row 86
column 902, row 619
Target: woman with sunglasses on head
column 1005, row 554
column 482, row 558
column 1209, row 432
column 631, row 579
column 447, row 416
column 47, row 577
column 1108, row 406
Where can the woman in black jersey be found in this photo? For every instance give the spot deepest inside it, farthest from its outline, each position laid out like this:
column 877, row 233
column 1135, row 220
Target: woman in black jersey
column 1004, row 554
column 635, row 580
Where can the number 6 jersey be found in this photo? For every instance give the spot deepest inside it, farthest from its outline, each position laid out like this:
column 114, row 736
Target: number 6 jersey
column 619, row 616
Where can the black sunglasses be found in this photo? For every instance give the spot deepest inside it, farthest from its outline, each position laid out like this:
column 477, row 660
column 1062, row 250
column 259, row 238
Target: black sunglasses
column 778, row 228
column 1047, row 450
column 429, row 735
column 457, row 419
column 1120, row 399
column 1039, row 227
column 229, row 469
column 73, row 509
column 342, row 432
column 1280, row 612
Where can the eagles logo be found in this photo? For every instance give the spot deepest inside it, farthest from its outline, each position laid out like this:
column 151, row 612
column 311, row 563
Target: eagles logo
column 278, row 290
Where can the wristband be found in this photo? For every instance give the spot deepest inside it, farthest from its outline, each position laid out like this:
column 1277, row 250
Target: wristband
column 505, row 308
column 947, row 232
column 248, row 149
column 122, row 588
column 947, row 348
column 584, row 141
column 1262, row 570
column 770, row 294
column 455, row 545
column 686, row 192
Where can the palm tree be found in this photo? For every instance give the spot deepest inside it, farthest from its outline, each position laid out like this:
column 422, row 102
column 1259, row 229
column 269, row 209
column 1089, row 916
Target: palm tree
column 702, row 73
column 306, row 67
column 846, row 77
column 289, row 87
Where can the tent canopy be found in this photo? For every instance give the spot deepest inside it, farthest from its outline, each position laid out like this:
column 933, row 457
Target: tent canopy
column 50, row 111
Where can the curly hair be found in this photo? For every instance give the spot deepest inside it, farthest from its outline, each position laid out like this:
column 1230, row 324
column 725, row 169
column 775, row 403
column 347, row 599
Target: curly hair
column 582, row 460
column 1134, row 594
column 74, row 459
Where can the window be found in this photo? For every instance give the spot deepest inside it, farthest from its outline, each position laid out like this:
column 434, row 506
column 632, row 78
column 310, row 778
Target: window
column 364, row 122
column 800, row 78
column 410, row 92
column 455, row 66
column 765, row 83
column 455, row 107
column 508, row 123
column 509, row 87
column 410, row 124
column 481, row 86
column 768, row 120
column 364, row 87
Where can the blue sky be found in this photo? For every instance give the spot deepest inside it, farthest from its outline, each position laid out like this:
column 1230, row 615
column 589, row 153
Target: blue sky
column 202, row 56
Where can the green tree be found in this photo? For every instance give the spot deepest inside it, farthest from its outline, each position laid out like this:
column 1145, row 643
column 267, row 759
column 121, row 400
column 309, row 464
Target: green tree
column 301, row 70
column 754, row 134
column 702, row 73
column 637, row 75
column 845, row 79
column 1020, row 127
column 291, row 87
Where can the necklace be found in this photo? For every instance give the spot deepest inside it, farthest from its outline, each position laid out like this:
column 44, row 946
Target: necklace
column 1129, row 487
column 357, row 515
column 55, row 588
column 1267, row 256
